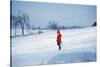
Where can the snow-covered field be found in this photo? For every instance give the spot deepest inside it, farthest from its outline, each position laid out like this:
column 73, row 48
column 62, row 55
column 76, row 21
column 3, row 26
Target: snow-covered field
column 78, row 45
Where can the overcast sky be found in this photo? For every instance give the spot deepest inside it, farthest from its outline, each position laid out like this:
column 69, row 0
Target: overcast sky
column 64, row 14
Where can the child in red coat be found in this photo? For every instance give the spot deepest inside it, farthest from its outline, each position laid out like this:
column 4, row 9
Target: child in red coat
column 59, row 36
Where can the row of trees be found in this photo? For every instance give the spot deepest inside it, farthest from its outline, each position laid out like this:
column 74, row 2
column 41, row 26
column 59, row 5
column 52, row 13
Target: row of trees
column 21, row 20
column 52, row 25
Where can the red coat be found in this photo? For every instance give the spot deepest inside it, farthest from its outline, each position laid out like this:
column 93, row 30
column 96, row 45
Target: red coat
column 59, row 38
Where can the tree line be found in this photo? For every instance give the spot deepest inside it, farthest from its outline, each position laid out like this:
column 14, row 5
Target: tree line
column 23, row 20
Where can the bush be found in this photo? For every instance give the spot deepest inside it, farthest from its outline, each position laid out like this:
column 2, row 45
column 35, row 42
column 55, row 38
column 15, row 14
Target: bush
column 39, row 32
column 95, row 24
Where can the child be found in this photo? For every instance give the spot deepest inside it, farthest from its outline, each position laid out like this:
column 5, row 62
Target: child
column 59, row 36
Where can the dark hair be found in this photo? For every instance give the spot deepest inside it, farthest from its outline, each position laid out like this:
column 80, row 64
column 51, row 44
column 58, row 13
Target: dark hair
column 58, row 31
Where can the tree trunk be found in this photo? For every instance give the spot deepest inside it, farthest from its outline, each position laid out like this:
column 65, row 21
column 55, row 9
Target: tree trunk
column 22, row 29
column 15, row 31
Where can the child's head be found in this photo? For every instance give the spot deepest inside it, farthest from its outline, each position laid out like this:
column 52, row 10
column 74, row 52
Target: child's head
column 58, row 31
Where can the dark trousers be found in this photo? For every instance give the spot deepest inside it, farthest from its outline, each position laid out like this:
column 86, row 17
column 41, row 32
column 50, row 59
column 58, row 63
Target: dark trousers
column 59, row 46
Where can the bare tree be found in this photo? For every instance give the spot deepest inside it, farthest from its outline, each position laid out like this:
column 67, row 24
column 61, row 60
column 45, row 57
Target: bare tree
column 28, row 26
column 13, row 23
column 53, row 25
column 23, row 21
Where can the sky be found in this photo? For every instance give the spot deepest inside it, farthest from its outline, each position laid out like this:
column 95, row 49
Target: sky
column 40, row 13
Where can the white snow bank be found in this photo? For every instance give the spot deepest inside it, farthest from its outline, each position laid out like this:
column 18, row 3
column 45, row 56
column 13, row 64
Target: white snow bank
column 42, row 48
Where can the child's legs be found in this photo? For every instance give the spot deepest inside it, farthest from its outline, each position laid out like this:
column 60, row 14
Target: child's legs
column 59, row 45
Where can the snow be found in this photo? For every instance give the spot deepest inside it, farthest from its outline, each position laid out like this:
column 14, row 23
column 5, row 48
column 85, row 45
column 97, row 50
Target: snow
column 26, row 32
column 78, row 45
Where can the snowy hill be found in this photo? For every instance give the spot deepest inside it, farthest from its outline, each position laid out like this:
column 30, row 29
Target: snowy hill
column 78, row 45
